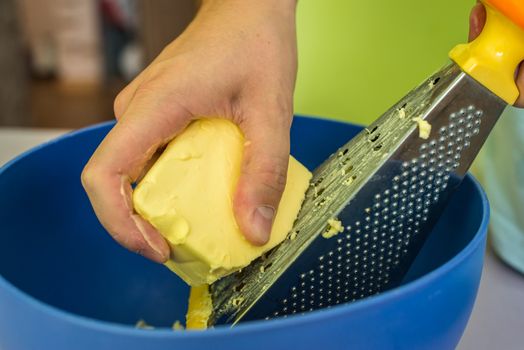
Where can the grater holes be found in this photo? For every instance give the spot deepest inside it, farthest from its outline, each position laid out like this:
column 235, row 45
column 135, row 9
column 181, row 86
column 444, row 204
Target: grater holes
column 375, row 128
column 381, row 238
column 374, row 138
column 238, row 288
column 319, row 191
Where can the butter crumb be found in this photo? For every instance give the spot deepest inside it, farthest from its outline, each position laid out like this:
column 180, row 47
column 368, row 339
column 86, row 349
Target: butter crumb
column 293, row 235
column 177, row 326
column 402, row 113
column 334, row 228
column 143, row 325
column 237, row 301
column 349, row 180
column 424, row 128
column 262, row 269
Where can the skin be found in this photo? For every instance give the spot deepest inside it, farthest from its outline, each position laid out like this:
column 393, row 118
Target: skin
column 237, row 60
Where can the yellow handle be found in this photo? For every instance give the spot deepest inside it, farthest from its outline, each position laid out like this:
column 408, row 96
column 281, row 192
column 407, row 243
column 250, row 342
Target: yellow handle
column 494, row 56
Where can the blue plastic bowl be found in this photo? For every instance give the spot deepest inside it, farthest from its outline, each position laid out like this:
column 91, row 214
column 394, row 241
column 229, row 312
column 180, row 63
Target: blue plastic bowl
column 64, row 283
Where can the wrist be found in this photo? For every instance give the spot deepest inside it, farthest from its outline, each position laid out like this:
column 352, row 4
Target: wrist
column 287, row 6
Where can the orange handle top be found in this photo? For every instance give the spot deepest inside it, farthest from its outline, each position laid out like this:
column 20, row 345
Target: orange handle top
column 513, row 9
column 493, row 57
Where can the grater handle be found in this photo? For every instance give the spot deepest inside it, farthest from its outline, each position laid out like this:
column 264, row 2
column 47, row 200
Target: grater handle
column 495, row 55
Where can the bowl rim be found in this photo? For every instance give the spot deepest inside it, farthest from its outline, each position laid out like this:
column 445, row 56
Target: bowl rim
column 252, row 326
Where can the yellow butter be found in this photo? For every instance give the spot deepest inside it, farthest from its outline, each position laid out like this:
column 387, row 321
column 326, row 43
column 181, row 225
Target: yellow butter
column 199, row 308
column 187, row 196
column 424, row 128
column 334, row 228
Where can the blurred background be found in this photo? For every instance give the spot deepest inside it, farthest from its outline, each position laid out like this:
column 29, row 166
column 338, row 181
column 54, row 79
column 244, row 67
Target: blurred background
column 62, row 62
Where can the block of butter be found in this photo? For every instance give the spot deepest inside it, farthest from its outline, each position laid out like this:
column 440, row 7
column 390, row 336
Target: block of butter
column 187, row 196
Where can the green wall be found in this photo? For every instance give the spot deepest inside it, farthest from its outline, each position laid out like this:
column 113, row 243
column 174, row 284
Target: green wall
column 357, row 58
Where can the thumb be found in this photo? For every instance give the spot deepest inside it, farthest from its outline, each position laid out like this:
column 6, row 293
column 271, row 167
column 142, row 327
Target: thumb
column 263, row 175
column 477, row 19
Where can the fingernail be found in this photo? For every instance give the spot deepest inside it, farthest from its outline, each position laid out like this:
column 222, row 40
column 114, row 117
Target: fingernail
column 156, row 248
column 262, row 222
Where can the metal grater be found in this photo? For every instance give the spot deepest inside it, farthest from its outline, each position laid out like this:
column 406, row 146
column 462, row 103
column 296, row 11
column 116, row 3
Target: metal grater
column 387, row 186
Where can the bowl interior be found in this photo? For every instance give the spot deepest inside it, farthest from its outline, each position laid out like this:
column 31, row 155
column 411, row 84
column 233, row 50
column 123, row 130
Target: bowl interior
column 53, row 248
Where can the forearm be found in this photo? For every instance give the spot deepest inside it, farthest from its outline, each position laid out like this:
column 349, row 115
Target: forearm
column 286, row 7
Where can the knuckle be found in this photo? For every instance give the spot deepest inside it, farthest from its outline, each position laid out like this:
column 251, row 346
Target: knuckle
column 273, row 175
column 119, row 104
column 93, row 176
column 89, row 176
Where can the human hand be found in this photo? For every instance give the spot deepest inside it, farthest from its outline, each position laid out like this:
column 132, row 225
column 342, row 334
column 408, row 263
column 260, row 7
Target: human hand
column 476, row 24
column 236, row 60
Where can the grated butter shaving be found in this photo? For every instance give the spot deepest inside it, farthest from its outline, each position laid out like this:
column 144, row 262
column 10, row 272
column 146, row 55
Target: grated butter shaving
column 177, row 326
column 334, row 228
column 143, row 325
column 424, row 128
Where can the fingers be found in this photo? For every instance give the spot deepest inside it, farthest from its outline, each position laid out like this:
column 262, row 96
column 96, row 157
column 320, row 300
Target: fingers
column 520, row 84
column 263, row 175
column 477, row 19
column 123, row 99
column 149, row 122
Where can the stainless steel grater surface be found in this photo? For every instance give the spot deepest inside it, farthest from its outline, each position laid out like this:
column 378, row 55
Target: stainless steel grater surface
column 387, row 187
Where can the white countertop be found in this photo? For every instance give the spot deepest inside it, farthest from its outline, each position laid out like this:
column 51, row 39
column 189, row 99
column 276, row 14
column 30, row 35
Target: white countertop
column 497, row 321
